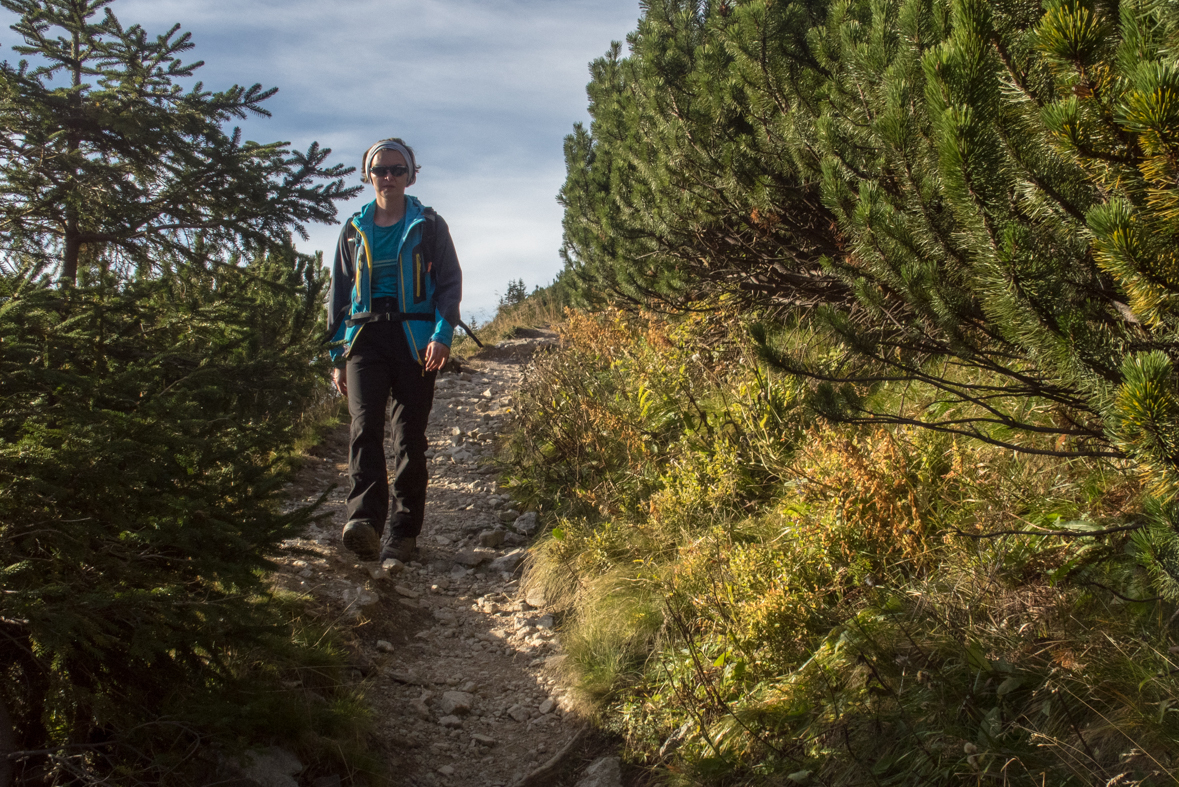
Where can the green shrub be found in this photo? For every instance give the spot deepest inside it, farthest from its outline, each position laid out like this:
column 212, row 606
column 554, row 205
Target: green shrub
column 144, row 432
column 976, row 198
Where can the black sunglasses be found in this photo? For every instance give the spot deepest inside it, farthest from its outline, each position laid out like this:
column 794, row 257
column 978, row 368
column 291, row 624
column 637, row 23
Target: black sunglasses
column 397, row 170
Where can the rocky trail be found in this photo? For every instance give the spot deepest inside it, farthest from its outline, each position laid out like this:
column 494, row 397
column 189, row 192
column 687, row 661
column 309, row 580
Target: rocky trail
column 460, row 667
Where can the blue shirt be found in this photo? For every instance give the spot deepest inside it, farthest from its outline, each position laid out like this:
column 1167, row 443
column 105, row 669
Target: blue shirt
column 386, row 242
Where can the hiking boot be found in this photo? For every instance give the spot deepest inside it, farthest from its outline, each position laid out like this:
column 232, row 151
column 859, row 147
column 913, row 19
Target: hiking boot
column 361, row 538
column 400, row 548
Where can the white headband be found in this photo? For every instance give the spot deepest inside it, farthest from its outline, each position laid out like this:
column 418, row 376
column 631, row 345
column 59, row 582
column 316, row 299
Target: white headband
column 391, row 145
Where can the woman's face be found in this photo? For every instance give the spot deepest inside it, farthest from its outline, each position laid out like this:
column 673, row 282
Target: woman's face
column 388, row 187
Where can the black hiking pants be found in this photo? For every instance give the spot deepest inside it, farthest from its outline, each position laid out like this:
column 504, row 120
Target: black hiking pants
column 381, row 365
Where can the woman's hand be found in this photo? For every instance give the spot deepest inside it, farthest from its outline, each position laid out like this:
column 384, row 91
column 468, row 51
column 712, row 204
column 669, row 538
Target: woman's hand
column 340, row 379
column 436, row 355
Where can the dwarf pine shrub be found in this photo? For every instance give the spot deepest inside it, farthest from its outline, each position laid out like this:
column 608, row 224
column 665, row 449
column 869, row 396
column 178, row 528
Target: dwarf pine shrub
column 975, row 196
column 952, row 555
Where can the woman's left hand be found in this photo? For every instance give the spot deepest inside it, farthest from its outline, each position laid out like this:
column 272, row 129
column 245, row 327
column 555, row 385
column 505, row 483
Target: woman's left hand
column 436, row 355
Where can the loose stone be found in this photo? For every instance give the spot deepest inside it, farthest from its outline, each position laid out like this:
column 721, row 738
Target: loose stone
column 491, row 538
column 456, row 703
column 527, row 524
column 473, row 557
column 461, row 626
column 509, row 562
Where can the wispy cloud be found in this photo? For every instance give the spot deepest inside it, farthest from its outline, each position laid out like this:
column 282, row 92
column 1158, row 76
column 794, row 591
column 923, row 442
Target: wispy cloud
column 485, row 91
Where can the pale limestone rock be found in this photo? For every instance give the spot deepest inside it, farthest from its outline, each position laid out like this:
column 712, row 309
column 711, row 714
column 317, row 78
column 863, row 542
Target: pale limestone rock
column 602, row 772
column 535, row 597
column 272, row 767
column 490, row 538
column 473, row 557
column 509, row 562
column 527, row 524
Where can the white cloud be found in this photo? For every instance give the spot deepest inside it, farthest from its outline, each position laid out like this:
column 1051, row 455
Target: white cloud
column 484, row 90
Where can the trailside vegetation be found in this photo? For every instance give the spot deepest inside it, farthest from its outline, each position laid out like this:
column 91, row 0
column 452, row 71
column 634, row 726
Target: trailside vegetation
column 749, row 594
column 161, row 356
column 970, row 195
column 887, row 495
column 145, row 433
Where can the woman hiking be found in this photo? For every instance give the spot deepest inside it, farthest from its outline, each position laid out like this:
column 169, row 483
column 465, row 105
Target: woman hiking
column 393, row 308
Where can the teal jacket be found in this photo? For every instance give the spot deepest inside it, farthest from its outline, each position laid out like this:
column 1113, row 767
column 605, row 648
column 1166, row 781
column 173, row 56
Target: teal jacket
column 430, row 281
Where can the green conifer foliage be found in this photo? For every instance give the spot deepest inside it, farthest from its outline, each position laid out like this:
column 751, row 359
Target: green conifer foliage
column 108, row 158
column 978, row 196
column 148, row 401
column 670, row 199
column 141, row 438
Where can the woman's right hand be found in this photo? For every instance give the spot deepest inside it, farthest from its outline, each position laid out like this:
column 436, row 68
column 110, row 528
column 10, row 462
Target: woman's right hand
column 340, row 379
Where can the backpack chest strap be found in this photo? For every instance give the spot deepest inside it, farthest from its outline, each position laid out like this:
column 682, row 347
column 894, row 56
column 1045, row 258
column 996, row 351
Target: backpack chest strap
column 363, row 318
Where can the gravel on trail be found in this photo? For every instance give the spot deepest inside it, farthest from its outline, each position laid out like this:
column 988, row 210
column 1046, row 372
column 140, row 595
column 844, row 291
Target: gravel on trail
column 461, row 671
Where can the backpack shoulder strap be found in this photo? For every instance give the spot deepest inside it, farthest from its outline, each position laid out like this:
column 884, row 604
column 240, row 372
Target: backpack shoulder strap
column 429, row 245
column 352, row 238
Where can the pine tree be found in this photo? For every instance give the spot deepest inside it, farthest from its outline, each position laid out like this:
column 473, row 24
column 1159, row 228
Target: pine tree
column 862, row 167
column 515, row 293
column 109, row 160
column 975, row 196
column 141, row 444
column 676, row 195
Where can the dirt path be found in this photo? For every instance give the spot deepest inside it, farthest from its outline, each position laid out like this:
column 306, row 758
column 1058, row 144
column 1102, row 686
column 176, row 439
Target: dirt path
column 458, row 667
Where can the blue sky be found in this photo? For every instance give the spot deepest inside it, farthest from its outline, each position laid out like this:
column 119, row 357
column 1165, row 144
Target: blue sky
column 484, row 90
